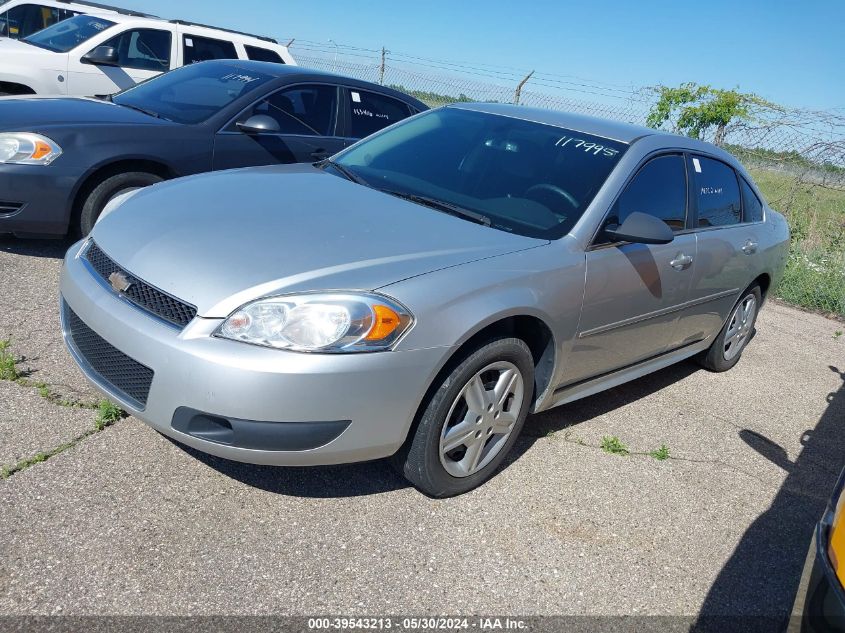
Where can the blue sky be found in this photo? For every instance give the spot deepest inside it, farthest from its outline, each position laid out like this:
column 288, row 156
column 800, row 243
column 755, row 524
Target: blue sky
column 789, row 51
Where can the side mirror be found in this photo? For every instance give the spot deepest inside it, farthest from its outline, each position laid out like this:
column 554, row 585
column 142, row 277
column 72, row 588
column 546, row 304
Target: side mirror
column 102, row 56
column 641, row 228
column 259, row 124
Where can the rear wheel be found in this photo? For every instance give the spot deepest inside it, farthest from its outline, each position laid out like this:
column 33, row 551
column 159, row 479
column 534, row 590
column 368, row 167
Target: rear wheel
column 471, row 421
column 726, row 350
column 108, row 189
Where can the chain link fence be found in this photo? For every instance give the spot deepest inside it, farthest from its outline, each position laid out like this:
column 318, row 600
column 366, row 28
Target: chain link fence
column 796, row 156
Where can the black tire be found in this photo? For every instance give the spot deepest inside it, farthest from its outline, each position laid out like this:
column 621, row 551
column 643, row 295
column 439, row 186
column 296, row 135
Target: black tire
column 419, row 460
column 715, row 358
column 99, row 197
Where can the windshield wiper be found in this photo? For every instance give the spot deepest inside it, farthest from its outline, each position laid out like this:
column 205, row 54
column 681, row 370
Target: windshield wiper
column 141, row 110
column 441, row 205
column 347, row 173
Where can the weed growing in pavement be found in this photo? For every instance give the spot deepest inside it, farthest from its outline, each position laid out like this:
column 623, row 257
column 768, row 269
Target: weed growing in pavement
column 107, row 414
column 837, row 334
column 613, row 445
column 661, row 453
column 8, row 363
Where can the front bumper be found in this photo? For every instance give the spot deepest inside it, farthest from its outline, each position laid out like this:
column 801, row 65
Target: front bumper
column 820, row 601
column 228, row 398
column 36, row 200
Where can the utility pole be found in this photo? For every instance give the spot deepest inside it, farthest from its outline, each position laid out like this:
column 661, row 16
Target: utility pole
column 381, row 68
column 518, row 91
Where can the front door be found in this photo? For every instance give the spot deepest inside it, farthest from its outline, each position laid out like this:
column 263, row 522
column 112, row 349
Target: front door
column 142, row 54
column 307, row 119
column 634, row 292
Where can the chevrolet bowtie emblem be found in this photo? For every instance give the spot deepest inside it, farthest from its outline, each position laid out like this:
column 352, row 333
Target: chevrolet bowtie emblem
column 119, row 281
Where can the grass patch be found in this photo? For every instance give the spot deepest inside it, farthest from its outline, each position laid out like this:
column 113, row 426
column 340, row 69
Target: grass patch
column 661, row 453
column 613, row 445
column 107, row 414
column 8, row 362
column 815, row 272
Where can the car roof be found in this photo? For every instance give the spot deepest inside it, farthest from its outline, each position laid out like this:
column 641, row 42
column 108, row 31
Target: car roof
column 614, row 130
column 283, row 70
column 209, row 30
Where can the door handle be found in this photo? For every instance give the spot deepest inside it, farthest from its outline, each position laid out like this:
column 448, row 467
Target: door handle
column 681, row 261
column 319, row 154
column 750, row 247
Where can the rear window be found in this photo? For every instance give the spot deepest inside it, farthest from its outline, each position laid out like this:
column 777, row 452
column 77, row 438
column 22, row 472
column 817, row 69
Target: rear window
column 201, row 49
column 372, row 112
column 717, row 191
column 263, row 54
column 751, row 205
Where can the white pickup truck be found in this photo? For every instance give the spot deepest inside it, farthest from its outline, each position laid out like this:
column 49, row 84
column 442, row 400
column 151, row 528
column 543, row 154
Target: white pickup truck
column 104, row 53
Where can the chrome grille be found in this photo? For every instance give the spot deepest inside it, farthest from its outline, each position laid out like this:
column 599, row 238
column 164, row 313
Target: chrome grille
column 140, row 293
column 126, row 377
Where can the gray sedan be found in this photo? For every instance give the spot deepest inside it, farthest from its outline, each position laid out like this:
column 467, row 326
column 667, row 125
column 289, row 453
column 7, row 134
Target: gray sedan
column 420, row 293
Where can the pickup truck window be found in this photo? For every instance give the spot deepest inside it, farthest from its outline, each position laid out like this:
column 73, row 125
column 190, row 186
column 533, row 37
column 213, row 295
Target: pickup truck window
column 26, row 19
column 263, row 54
column 67, row 35
column 144, row 49
column 200, row 49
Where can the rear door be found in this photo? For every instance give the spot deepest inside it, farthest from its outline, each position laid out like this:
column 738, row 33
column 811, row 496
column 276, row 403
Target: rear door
column 728, row 226
column 307, row 116
column 633, row 292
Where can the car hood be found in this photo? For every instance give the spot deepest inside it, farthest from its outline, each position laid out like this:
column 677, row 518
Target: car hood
column 35, row 114
column 220, row 240
column 14, row 51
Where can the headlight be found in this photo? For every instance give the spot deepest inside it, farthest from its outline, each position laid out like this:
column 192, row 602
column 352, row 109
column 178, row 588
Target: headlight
column 319, row 322
column 23, row 148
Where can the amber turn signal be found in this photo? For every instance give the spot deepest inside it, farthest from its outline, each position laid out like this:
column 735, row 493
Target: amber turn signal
column 386, row 321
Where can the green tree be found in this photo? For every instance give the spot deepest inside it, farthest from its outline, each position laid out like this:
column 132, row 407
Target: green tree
column 694, row 110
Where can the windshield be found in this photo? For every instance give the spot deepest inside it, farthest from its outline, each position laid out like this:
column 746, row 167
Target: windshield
column 194, row 93
column 67, row 35
column 525, row 177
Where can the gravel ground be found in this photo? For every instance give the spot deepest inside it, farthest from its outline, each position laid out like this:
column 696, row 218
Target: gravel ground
column 128, row 522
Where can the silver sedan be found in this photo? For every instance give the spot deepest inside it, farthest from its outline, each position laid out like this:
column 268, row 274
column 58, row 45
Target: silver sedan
column 423, row 291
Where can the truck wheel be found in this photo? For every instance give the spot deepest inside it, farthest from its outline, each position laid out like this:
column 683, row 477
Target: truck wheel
column 471, row 422
column 108, row 189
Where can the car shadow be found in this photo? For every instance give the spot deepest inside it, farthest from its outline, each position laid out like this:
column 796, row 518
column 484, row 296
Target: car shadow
column 50, row 249
column 321, row 482
column 756, row 588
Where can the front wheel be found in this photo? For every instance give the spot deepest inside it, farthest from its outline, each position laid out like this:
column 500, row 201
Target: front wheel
column 108, row 189
column 726, row 350
column 471, row 420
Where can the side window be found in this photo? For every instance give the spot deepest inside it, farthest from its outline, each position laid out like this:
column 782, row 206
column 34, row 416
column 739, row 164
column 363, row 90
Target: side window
column 658, row 189
column 143, row 49
column 263, row 54
column 306, row 110
column 752, row 207
column 26, row 19
column 717, row 192
column 372, row 112
column 200, row 49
